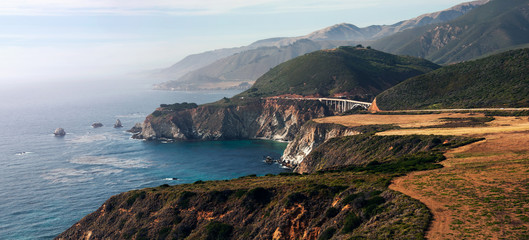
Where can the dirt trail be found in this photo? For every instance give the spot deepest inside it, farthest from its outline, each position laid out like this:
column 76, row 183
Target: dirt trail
column 481, row 193
column 440, row 225
column 483, row 190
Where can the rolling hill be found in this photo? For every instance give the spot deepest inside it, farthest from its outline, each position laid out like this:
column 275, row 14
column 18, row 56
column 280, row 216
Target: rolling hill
column 357, row 73
column 500, row 80
column 495, row 26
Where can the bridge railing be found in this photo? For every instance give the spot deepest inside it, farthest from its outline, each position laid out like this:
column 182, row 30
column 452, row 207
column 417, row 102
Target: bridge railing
column 337, row 104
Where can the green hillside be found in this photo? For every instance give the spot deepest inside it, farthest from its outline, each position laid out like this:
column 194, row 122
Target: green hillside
column 500, row 24
column 501, row 80
column 358, row 73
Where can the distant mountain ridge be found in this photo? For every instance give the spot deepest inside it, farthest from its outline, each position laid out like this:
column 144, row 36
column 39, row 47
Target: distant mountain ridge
column 242, row 69
column 497, row 25
column 228, row 68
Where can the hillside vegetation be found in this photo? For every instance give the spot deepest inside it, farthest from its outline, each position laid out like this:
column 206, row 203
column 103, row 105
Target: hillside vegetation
column 358, row 73
column 497, row 81
column 497, row 25
column 345, row 205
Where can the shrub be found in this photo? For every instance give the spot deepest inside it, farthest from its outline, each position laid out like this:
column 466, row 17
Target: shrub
column 164, row 232
column 132, row 199
column 257, row 196
column 218, row 231
column 327, row 234
column 179, row 106
column 332, row 212
column 183, row 201
column 294, row 198
column 351, row 222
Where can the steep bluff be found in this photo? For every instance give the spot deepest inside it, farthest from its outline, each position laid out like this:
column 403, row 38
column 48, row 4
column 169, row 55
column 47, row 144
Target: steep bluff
column 276, row 119
column 310, row 136
column 317, row 206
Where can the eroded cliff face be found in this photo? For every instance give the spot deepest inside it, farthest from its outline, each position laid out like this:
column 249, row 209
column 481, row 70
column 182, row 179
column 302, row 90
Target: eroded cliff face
column 275, row 119
column 310, row 136
column 319, row 206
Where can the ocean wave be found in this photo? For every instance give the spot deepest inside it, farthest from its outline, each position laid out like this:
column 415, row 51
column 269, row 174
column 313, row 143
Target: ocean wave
column 110, row 161
column 170, row 179
column 22, row 153
column 71, row 175
column 132, row 115
column 90, row 138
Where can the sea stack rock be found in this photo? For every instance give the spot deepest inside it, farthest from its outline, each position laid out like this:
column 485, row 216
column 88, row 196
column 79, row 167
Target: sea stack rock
column 97, row 125
column 59, row 132
column 118, row 124
column 136, row 129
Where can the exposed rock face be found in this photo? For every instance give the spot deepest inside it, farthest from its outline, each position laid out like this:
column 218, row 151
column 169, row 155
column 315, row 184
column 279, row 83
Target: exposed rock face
column 118, row 124
column 285, row 208
column 310, row 136
column 276, row 119
column 97, row 125
column 136, row 129
column 59, row 132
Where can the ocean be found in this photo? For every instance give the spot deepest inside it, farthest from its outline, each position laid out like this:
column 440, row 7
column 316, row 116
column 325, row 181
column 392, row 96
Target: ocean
column 49, row 183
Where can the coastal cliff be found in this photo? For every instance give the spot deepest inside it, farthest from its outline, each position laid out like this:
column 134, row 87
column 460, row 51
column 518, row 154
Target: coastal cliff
column 289, row 206
column 310, row 136
column 275, row 119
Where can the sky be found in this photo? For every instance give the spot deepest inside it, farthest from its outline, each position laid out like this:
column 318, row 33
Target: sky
column 50, row 40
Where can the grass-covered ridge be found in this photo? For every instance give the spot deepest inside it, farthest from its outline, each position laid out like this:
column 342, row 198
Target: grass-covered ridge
column 389, row 154
column 497, row 81
column 357, row 72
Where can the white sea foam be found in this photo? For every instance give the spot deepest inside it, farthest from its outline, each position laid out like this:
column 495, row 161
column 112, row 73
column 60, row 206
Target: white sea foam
column 132, row 115
column 71, row 175
column 22, row 153
column 90, row 138
column 111, row 161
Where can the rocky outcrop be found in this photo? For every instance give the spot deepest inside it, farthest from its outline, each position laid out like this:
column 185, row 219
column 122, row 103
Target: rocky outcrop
column 118, row 124
column 59, row 132
column 310, row 136
column 275, row 119
column 97, row 125
column 136, row 129
column 288, row 207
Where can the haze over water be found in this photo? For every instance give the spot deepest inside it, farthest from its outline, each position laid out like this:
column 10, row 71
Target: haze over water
column 49, row 183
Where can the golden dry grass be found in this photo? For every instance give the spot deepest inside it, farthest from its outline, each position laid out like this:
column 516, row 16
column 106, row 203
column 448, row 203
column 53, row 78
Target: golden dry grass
column 499, row 125
column 403, row 121
column 483, row 190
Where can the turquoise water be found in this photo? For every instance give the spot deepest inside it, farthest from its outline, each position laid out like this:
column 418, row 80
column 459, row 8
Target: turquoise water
column 48, row 183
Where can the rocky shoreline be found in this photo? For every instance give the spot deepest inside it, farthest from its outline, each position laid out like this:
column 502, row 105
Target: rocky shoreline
column 270, row 119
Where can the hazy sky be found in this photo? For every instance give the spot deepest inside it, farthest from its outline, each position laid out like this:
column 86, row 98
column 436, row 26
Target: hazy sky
column 86, row 39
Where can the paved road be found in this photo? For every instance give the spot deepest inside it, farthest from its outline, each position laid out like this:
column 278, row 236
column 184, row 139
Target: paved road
column 462, row 110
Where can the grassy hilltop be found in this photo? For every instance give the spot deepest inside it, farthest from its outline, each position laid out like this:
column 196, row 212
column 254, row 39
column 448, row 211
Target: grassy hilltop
column 355, row 72
column 500, row 80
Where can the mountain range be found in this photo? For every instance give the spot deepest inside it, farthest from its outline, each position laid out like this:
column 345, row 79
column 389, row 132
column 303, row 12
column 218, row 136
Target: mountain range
column 228, row 68
column 496, row 26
